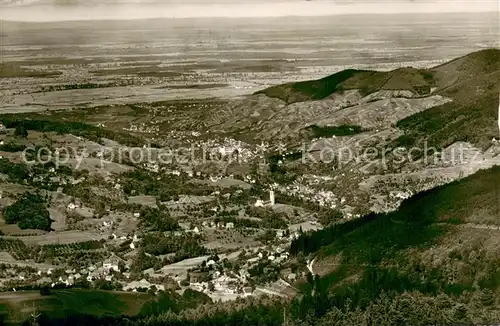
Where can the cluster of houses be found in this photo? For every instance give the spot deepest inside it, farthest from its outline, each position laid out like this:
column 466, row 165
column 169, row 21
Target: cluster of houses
column 90, row 273
column 228, row 282
column 213, row 225
column 112, row 269
column 143, row 128
column 226, row 149
column 218, row 281
column 325, row 198
column 284, row 235
column 277, row 256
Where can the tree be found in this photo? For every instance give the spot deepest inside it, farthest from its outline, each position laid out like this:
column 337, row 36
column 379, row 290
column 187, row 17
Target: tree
column 20, row 131
column 29, row 212
column 44, row 290
column 309, row 278
column 329, row 216
column 158, row 220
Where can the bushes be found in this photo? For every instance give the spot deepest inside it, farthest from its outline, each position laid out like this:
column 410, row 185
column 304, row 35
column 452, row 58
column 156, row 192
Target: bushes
column 142, row 182
column 405, row 141
column 16, row 172
column 410, row 308
column 185, row 246
column 329, row 216
column 270, row 219
column 157, row 220
column 20, row 131
column 29, row 212
column 171, row 301
column 44, row 290
column 12, row 147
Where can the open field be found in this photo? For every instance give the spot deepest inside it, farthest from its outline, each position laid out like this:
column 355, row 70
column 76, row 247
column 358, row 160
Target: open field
column 60, row 303
column 63, row 237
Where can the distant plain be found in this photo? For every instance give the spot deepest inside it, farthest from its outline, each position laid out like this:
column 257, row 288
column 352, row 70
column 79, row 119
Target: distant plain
column 87, row 63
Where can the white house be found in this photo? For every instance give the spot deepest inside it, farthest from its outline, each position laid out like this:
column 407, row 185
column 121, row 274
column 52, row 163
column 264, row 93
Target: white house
column 259, row 203
column 284, row 255
column 111, row 263
column 72, row 206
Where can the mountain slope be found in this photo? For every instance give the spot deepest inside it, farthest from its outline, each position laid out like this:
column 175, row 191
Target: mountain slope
column 365, row 81
column 474, row 120
column 473, row 82
column 418, row 80
column 441, row 241
column 469, row 67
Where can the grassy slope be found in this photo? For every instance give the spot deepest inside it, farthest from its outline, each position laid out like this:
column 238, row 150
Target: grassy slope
column 62, row 303
column 391, row 252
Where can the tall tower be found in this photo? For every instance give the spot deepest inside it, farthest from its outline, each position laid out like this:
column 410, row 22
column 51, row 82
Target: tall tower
column 271, row 197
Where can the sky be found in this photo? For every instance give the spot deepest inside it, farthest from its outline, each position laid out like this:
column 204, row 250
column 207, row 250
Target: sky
column 58, row 10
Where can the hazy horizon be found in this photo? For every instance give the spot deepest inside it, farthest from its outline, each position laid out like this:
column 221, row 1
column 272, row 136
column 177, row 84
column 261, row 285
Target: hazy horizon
column 68, row 10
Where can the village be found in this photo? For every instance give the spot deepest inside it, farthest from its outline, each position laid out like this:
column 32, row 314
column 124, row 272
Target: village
column 197, row 211
column 222, row 272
